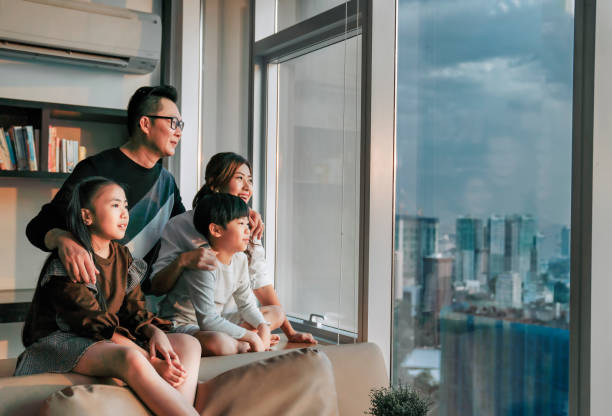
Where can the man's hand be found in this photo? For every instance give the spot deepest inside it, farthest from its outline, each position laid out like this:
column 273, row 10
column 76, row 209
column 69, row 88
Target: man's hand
column 256, row 224
column 302, row 338
column 202, row 258
column 77, row 261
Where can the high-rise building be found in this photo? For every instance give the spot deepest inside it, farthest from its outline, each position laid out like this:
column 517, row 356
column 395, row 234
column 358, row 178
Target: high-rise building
column 519, row 241
column 565, row 241
column 469, row 249
column 437, row 274
column 496, row 236
column 415, row 237
column 508, row 290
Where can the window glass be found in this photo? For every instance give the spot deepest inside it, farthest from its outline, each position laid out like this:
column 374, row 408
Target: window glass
column 317, row 211
column 272, row 16
column 482, row 222
column 290, row 12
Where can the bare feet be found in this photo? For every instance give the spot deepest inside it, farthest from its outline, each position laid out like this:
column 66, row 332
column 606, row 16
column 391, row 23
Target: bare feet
column 173, row 372
column 243, row 347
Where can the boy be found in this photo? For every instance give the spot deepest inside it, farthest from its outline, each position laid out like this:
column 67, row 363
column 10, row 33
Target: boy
column 196, row 302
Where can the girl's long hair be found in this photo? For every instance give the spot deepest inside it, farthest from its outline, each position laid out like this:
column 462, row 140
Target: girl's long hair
column 82, row 195
column 219, row 172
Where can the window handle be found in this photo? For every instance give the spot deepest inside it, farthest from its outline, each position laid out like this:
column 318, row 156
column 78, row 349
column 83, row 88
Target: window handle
column 315, row 319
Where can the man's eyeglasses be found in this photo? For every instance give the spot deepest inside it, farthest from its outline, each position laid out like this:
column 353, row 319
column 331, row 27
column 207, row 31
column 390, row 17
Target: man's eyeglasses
column 174, row 122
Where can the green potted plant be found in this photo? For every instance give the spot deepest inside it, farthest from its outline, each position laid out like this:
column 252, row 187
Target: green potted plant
column 399, row 400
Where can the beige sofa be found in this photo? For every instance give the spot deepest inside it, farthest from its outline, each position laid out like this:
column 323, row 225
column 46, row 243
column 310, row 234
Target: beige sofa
column 356, row 369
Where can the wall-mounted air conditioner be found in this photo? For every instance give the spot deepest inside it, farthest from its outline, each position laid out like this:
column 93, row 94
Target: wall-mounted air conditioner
column 71, row 31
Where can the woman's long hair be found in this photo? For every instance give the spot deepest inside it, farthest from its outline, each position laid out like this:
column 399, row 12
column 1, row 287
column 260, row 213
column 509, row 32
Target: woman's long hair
column 219, row 172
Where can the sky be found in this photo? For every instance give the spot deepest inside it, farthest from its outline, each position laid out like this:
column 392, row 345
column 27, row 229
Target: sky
column 484, row 108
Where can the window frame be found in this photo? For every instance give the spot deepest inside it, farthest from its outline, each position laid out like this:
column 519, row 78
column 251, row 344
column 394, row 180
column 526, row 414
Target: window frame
column 334, row 25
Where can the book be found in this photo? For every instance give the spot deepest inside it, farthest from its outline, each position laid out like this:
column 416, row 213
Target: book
column 72, row 154
column 82, row 153
column 63, row 145
column 20, row 150
column 5, row 153
column 3, row 158
column 37, row 148
column 28, row 132
column 52, row 147
column 9, row 144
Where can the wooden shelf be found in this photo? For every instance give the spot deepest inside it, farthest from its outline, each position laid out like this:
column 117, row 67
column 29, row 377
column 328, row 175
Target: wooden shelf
column 33, row 174
column 69, row 112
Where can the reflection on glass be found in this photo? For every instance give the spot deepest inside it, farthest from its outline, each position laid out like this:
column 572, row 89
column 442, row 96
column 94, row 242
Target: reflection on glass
column 482, row 225
column 317, row 179
column 272, row 16
column 291, row 12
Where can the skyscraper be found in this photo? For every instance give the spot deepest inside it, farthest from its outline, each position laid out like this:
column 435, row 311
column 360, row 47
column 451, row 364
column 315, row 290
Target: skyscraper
column 508, row 290
column 519, row 241
column 470, row 249
column 565, row 241
column 437, row 274
column 496, row 227
column 415, row 237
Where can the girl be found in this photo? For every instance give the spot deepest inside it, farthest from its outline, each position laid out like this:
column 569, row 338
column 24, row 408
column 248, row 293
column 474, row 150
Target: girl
column 225, row 173
column 100, row 329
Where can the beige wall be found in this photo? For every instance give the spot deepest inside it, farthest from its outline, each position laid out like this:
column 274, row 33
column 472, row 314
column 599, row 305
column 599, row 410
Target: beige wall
column 21, row 198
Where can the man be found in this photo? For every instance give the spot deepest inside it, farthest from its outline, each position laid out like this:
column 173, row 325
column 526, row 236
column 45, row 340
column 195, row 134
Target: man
column 155, row 128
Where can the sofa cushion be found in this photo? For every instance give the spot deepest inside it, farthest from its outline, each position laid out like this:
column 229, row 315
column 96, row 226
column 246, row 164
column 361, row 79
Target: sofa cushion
column 300, row 382
column 93, row 399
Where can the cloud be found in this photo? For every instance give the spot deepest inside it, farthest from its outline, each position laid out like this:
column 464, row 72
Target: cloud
column 484, row 107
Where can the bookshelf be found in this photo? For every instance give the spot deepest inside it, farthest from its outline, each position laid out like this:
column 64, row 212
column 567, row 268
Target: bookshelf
column 23, row 192
column 33, row 174
column 98, row 128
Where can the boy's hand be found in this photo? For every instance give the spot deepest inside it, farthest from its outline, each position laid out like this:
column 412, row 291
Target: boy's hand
column 263, row 330
column 202, row 258
column 254, row 341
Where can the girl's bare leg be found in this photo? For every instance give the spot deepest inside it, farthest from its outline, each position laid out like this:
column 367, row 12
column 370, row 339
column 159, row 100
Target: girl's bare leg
column 218, row 343
column 189, row 351
column 106, row 359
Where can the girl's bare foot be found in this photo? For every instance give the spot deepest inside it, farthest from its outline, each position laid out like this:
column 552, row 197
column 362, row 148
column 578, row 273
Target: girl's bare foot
column 173, row 372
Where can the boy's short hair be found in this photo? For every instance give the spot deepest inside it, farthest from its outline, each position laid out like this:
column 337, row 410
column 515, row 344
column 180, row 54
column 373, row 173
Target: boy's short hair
column 217, row 209
column 146, row 101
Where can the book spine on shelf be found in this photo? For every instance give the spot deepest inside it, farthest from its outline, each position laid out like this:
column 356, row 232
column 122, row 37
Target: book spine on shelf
column 3, row 159
column 82, row 153
column 6, row 155
column 72, row 154
column 58, row 154
column 64, row 145
column 17, row 136
column 37, row 148
column 52, row 167
column 9, row 144
column 31, row 148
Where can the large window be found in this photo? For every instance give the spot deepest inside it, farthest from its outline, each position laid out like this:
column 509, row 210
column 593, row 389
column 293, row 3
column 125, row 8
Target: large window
column 310, row 79
column 482, row 221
